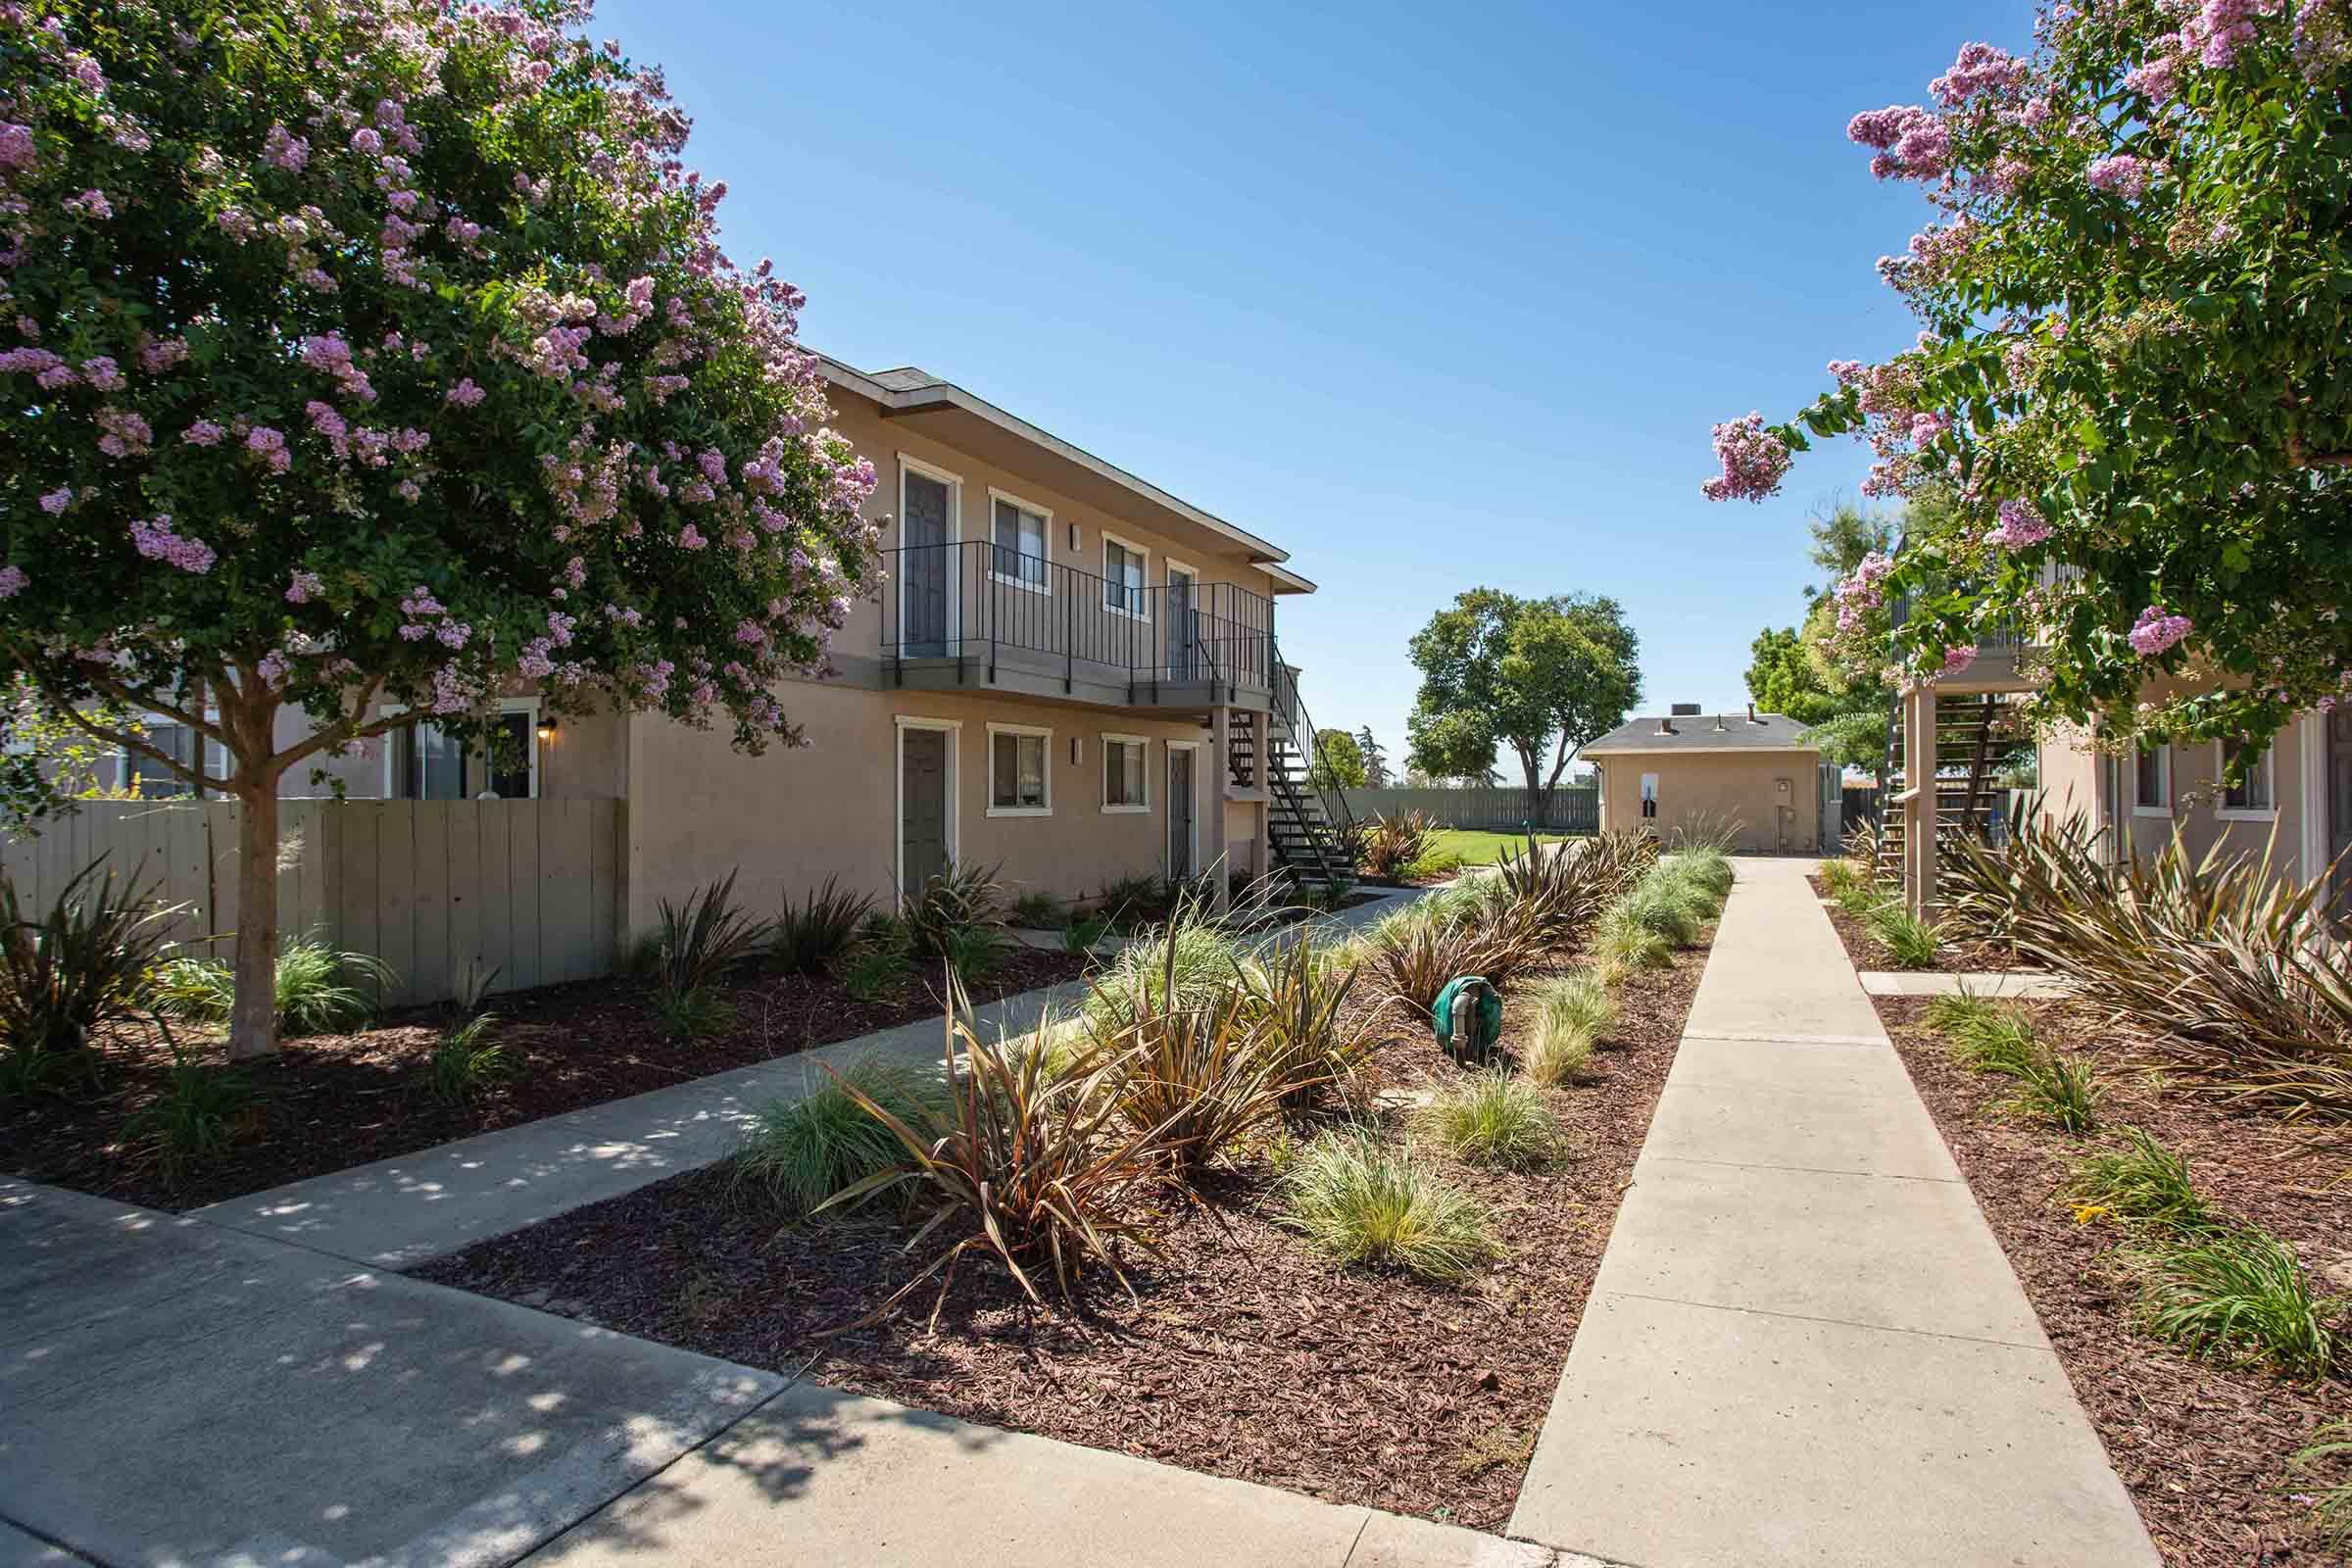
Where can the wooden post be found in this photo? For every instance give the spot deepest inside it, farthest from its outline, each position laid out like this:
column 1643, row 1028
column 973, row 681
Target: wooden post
column 1919, row 780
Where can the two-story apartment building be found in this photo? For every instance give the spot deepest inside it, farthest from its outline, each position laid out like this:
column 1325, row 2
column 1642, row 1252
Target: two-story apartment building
column 1066, row 672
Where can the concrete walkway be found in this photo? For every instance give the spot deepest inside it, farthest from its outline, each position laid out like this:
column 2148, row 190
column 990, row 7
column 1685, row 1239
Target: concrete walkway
column 398, row 1213
column 1804, row 1345
column 2026, row 984
column 173, row 1393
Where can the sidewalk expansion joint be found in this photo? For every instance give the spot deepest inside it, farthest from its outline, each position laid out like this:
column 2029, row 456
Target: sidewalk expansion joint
column 1794, row 1089
column 1817, row 1170
column 2040, row 1347
column 1787, row 1038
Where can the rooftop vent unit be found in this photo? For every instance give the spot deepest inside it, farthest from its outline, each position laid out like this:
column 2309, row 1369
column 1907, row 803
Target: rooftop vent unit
column 1683, row 710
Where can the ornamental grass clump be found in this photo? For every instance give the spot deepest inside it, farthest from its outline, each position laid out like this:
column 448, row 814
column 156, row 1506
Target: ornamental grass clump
column 2142, row 1182
column 696, row 945
column 1200, row 1073
column 1911, row 940
column 1410, row 955
column 1186, row 962
column 318, row 989
column 2242, row 1296
column 798, row 1154
column 1359, row 1201
column 1294, row 996
column 1492, row 1119
column 1028, row 1165
column 1572, row 1014
column 813, row 933
column 2061, row 1089
column 1986, row 1035
column 1388, row 845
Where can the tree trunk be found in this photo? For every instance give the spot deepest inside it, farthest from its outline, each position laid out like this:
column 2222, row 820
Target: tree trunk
column 1538, row 797
column 253, row 1016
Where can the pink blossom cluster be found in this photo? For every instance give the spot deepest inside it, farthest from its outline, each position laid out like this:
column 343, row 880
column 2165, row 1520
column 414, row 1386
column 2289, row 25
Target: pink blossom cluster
column 303, row 587
column 12, row 581
column 1956, row 659
column 1913, row 143
column 1753, row 460
column 2121, row 174
column 1980, row 68
column 126, row 434
column 155, row 540
column 2020, row 526
column 2156, row 631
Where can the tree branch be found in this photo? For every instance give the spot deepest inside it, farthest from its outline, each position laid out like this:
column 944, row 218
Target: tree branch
column 2301, row 459
column 346, row 728
column 133, row 698
column 132, row 742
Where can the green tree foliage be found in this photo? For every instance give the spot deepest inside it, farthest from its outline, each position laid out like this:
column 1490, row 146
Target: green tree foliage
column 1376, row 758
column 1339, row 762
column 1784, row 678
column 1536, row 675
column 379, row 356
column 2135, row 373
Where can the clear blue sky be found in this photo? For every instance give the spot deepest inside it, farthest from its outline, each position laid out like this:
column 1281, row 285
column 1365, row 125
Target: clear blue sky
column 1431, row 297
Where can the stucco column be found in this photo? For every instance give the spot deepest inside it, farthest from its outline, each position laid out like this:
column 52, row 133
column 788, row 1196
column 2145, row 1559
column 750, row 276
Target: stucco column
column 1918, row 781
column 1219, row 771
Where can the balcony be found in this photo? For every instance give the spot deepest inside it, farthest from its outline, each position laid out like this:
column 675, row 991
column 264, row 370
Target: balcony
column 977, row 615
column 2003, row 648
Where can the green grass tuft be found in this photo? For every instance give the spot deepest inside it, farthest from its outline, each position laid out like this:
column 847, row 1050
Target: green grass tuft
column 2061, row 1089
column 800, row 1153
column 1495, row 1119
column 1572, row 1014
column 2142, row 1180
column 1910, row 939
column 1358, row 1203
column 2242, row 1295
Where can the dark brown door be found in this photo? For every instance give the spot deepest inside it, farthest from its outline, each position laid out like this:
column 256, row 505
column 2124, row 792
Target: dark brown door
column 2339, row 804
column 922, row 806
column 1180, row 812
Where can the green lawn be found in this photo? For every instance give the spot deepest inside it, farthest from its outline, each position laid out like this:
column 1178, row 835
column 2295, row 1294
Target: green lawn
column 1473, row 848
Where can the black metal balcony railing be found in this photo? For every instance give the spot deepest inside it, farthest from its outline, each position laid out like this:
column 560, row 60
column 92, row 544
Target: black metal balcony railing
column 2005, row 635
column 979, row 601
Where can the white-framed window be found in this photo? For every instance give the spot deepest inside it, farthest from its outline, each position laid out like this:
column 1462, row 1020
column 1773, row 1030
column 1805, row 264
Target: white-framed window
column 2152, row 780
column 1126, row 774
column 1020, row 783
column 1017, row 529
column 1126, row 572
column 422, row 762
column 2253, row 796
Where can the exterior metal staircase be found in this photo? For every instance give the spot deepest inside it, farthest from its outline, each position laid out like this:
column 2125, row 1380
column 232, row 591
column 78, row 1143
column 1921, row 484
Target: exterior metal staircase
column 1305, row 827
column 1972, row 737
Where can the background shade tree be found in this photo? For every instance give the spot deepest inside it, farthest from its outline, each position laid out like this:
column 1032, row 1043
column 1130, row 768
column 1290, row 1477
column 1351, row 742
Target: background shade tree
column 385, row 355
column 1376, row 758
column 1539, row 677
column 1339, row 762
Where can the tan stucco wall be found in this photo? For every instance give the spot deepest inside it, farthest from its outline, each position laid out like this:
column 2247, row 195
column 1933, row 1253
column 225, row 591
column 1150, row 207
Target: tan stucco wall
column 2070, row 763
column 699, row 809
column 1715, row 788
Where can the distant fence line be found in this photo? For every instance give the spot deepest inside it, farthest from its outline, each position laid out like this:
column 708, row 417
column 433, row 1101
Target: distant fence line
column 1570, row 808
column 533, row 888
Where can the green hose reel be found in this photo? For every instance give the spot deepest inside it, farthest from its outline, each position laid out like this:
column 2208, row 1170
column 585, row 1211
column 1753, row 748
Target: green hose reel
column 1468, row 1017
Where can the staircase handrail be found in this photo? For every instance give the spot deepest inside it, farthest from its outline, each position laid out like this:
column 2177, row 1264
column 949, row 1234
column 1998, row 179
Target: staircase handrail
column 1286, row 704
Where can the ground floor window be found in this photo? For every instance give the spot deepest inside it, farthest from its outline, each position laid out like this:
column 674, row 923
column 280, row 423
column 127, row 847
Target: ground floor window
column 2252, row 794
column 1649, row 794
column 2152, row 779
column 1019, row 783
column 1126, row 783
column 429, row 763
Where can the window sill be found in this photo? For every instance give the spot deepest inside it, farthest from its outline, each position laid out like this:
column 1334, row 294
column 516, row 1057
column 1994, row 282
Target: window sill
column 1127, row 810
column 1020, row 810
column 2246, row 815
column 1042, row 589
column 1141, row 617
column 2165, row 811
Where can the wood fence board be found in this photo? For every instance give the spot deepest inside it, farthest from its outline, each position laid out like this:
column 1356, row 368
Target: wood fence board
column 396, row 892
column 354, row 924
column 493, row 900
column 524, row 889
column 564, row 894
column 604, row 876
column 430, row 973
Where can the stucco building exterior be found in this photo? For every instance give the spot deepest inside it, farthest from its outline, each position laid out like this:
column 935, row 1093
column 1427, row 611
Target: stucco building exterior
column 1750, row 775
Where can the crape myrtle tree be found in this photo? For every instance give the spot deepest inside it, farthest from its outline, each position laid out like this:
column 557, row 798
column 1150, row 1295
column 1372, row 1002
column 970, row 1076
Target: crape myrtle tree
column 362, row 353
column 1538, row 675
column 2136, row 361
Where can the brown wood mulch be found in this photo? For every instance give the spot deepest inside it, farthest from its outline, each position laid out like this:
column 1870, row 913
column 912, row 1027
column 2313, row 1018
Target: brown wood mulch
column 1867, row 952
column 326, row 1102
column 1246, row 1354
column 2202, row 1447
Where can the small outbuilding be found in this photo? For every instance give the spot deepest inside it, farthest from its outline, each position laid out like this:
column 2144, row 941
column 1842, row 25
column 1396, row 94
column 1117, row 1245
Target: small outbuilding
column 1750, row 776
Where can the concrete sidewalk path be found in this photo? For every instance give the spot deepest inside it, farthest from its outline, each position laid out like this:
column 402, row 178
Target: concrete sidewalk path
column 172, row 1393
column 1804, row 1345
column 175, row 1395
column 2026, row 984
column 398, row 1213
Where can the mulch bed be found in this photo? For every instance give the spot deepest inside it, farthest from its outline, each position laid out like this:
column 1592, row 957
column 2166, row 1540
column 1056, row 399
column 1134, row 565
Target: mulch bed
column 328, row 1103
column 2203, row 1447
column 1248, row 1355
column 1867, row 952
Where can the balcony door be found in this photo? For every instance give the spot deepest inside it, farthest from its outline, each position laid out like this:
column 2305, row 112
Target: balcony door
column 1184, row 625
column 927, row 557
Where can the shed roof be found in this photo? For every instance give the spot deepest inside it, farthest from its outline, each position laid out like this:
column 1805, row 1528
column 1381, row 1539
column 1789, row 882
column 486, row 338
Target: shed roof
column 1703, row 732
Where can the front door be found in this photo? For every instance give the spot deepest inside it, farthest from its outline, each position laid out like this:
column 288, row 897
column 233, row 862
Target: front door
column 922, row 807
column 924, row 566
column 2339, row 802
column 1180, row 814
column 1184, row 633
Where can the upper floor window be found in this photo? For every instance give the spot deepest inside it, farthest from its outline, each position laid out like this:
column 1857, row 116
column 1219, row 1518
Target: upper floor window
column 2252, row 794
column 1124, row 568
column 1020, row 544
column 2152, row 779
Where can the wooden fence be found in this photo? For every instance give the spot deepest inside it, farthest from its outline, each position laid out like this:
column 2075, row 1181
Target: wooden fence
column 1570, row 808
column 533, row 888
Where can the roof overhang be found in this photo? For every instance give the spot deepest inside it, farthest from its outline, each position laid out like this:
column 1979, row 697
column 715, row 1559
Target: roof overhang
column 974, row 424
column 1700, row 751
